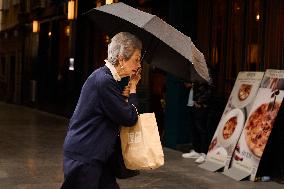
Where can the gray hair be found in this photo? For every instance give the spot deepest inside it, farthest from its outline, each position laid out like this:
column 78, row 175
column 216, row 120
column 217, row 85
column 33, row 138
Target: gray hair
column 123, row 44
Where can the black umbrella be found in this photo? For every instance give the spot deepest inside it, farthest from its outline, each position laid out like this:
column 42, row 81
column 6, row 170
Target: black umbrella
column 165, row 47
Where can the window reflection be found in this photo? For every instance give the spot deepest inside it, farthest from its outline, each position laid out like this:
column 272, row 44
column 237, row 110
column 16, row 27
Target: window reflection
column 218, row 39
column 237, row 38
column 254, row 30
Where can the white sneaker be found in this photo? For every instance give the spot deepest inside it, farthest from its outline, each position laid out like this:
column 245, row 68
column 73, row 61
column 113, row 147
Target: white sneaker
column 201, row 159
column 192, row 154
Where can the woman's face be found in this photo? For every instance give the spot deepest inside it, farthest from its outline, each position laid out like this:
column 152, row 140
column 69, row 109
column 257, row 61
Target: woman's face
column 131, row 66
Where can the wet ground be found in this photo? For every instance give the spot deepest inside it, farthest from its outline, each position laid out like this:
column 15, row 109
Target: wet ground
column 31, row 158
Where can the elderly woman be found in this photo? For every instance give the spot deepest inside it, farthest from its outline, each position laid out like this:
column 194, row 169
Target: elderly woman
column 102, row 107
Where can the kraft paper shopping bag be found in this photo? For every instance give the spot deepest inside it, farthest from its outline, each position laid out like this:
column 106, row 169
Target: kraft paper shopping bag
column 141, row 145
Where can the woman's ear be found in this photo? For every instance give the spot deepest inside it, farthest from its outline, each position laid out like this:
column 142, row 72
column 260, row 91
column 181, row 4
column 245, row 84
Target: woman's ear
column 120, row 59
column 120, row 62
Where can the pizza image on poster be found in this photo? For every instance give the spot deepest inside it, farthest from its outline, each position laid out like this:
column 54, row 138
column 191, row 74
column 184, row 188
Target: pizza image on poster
column 232, row 121
column 259, row 127
column 244, row 91
column 259, row 123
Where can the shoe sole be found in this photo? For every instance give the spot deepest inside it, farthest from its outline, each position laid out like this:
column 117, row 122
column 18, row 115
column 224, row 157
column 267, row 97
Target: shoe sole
column 191, row 157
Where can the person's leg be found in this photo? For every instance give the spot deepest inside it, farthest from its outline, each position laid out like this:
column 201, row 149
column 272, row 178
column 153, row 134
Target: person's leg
column 201, row 129
column 211, row 124
column 189, row 123
column 195, row 139
column 108, row 180
column 79, row 175
column 71, row 170
column 197, row 130
column 90, row 176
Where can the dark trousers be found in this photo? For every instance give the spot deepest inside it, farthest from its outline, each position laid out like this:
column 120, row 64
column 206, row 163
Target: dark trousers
column 189, row 123
column 200, row 138
column 79, row 175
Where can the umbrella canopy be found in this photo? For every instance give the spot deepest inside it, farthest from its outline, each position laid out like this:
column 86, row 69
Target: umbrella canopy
column 165, row 47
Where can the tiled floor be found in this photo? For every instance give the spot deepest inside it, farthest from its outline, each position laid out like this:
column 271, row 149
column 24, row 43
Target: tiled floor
column 31, row 158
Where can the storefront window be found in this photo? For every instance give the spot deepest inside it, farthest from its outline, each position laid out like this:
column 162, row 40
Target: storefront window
column 218, row 41
column 218, row 34
column 254, row 30
column 235, row 43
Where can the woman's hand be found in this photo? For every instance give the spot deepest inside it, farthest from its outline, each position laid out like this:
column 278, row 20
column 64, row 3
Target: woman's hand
column 134, row 79
column 126, row 91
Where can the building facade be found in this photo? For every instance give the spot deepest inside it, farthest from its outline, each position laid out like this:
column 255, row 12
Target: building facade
column 45, row 68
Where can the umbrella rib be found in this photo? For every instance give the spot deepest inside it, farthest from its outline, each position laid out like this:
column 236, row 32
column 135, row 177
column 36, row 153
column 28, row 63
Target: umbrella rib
column 143, row 56
column 150, row 48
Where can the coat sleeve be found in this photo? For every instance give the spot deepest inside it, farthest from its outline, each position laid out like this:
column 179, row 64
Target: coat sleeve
column 114, row 104
column 203, row 94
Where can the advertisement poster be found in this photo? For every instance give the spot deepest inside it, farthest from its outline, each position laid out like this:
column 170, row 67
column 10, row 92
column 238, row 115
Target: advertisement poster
column 232, row 121
column 259, row 124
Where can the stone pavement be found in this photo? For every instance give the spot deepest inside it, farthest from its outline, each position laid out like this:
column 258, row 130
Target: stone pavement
column 31, row 158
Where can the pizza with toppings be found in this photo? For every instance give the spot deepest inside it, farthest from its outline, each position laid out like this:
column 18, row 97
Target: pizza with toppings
column 244, row 91
column 259, row 126
column 229, row 127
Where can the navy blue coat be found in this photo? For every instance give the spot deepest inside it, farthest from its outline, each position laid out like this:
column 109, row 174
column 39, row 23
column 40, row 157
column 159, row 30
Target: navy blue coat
column 94, row 126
